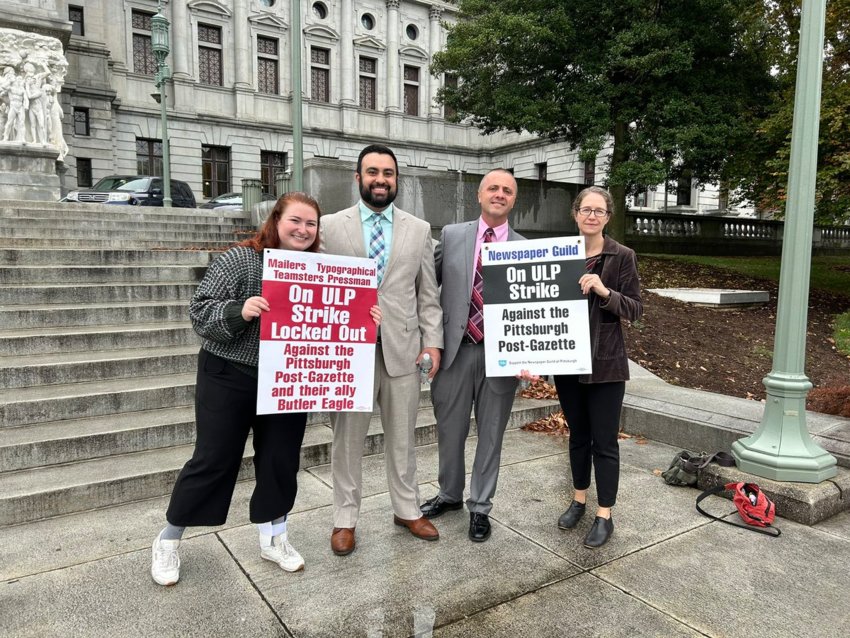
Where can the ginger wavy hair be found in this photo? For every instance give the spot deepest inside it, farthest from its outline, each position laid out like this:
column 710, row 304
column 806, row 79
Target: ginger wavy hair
column 267, row 236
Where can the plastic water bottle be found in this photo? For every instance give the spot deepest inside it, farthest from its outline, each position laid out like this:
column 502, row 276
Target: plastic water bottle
column 425, row 365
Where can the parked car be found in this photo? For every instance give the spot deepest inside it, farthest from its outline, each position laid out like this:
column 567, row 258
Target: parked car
column 233, row 200
column 134, row 190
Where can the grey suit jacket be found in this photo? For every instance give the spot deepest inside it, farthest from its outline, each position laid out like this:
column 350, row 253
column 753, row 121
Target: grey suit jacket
column 454, row 261
column 408, row 295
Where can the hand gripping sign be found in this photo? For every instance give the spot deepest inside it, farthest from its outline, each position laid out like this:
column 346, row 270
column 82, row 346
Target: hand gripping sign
column 535, row 316
column 317, row 341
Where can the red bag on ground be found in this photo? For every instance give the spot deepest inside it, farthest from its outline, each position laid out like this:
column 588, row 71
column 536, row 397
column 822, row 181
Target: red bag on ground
column 753, row 506
column 755, row 509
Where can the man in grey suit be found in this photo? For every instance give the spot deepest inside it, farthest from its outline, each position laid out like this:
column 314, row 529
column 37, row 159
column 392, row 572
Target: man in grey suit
column 409, row 299
column 461, row 382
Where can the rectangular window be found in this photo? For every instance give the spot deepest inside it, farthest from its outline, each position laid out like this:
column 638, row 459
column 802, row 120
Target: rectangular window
column 215, row 170
column 148, row 156
column 368, row 81
column 542, row 170
column 75, row 16
column 320, row 74
column 450, row 81
column 411, row 90
column 83, row 172
column 267, row 65
column 209, row 55
column 81, row 121
column 683, row 190
column 642, row 198
column 270, row 165
column 143, row 58
column 590, row 172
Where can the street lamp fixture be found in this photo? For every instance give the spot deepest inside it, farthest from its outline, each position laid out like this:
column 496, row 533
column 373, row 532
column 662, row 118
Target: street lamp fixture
column 161, row 49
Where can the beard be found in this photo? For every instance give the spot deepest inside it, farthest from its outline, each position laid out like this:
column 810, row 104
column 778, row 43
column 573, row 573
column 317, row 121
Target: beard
column 378, row 201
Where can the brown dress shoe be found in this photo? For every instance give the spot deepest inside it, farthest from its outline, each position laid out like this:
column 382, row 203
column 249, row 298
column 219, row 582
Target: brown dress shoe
column 342, row 540
column 420, row 527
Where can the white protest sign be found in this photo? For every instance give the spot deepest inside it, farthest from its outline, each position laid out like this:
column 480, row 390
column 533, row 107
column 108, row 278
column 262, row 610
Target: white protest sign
column 535, row 316
column 317, row 341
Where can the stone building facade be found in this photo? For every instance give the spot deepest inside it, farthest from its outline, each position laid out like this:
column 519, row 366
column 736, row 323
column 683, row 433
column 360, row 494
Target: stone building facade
column 364, row 76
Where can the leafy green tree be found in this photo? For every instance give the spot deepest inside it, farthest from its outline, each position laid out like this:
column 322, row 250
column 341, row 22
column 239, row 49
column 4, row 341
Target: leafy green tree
column 671, row 83
column 762, row 170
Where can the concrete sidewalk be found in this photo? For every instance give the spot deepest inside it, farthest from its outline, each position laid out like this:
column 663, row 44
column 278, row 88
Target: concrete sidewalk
column 666, row 572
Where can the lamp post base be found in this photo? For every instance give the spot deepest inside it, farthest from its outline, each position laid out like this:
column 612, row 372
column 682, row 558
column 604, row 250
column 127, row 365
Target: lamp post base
column 781, row 448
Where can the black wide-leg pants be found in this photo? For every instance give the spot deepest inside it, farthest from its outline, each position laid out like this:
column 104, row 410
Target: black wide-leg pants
column 225, row 412
column 593, row 411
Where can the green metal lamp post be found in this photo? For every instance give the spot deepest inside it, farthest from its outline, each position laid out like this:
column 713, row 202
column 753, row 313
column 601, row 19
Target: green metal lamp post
column 781, row 448
column 161, row 49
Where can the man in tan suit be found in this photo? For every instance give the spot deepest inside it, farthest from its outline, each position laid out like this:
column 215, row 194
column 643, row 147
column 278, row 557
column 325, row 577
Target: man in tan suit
column 409, row 301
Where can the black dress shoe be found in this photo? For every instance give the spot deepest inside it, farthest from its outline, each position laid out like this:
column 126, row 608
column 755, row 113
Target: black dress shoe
column 572, row 516
column 433, row 507
column 599, row 533
column 479, row 527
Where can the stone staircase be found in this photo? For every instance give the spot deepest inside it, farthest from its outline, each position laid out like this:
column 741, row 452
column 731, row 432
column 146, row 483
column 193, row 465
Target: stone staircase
column 97, row 356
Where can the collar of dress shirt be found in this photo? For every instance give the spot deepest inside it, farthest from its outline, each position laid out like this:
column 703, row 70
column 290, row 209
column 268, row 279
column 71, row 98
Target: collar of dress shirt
column 501, row 231
column 366, row 212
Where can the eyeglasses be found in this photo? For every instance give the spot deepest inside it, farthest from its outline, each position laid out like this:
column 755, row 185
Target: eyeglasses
column 596, row 212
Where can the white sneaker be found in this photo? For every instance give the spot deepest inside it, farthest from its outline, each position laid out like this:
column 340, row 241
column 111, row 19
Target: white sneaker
column 165, row 561
column 278, row 550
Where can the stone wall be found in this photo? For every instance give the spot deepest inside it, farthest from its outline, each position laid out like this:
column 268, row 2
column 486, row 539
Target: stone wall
column 448, row 197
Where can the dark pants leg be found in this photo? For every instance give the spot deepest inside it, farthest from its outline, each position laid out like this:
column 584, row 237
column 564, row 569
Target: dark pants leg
column 225, row 407
column 592, row 411
column 277, row 454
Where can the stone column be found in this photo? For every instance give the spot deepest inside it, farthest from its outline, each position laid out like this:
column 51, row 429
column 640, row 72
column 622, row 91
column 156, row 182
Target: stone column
column 434, row 44
column 181, row 38
column 114, row 34
column 242, row 44
column 393, row 85
column 348, row 63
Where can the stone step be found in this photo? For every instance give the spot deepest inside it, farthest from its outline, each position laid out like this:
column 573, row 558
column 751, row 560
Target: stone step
column 22, row 407
column 93, row 338
column 89, row 257
column 100, row 274
column 110, row 242
column 51, row 235
column 77, row 367
column 59, row 315
column 60, row 442
column 42, row 492
column 38, row 224
column 126, row 214
column 81, row 293
column 27, row 406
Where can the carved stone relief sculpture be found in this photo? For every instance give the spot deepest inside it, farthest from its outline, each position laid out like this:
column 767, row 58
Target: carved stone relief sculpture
column 32, row 71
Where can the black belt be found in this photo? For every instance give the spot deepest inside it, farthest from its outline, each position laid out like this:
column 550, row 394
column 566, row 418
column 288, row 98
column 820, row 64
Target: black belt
column 468, row 340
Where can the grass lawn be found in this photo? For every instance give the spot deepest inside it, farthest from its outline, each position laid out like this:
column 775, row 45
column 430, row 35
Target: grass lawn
column 830, row 274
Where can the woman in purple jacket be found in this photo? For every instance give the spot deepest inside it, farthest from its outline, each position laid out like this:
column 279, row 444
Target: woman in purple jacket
column 592, row 402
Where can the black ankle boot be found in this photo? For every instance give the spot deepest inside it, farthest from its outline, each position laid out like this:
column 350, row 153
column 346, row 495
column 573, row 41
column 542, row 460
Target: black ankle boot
column 599, row 533
column 572, row 516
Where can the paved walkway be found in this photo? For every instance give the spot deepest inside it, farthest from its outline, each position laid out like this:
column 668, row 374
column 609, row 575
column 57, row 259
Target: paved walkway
column 666, row 572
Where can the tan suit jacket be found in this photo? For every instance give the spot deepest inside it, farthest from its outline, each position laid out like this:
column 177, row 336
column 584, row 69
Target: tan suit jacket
column 408, row 295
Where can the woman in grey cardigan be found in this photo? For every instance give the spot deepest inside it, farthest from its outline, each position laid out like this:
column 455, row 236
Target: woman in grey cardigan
column 224, row 312
column 592, row 402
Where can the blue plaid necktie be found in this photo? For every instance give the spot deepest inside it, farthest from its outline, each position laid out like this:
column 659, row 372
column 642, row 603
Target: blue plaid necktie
column 376, row 245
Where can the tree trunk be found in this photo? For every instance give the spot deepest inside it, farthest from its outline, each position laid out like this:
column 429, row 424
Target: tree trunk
column 616, row 228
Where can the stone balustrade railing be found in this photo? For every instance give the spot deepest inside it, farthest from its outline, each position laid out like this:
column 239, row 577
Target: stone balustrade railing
column 710, row 234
